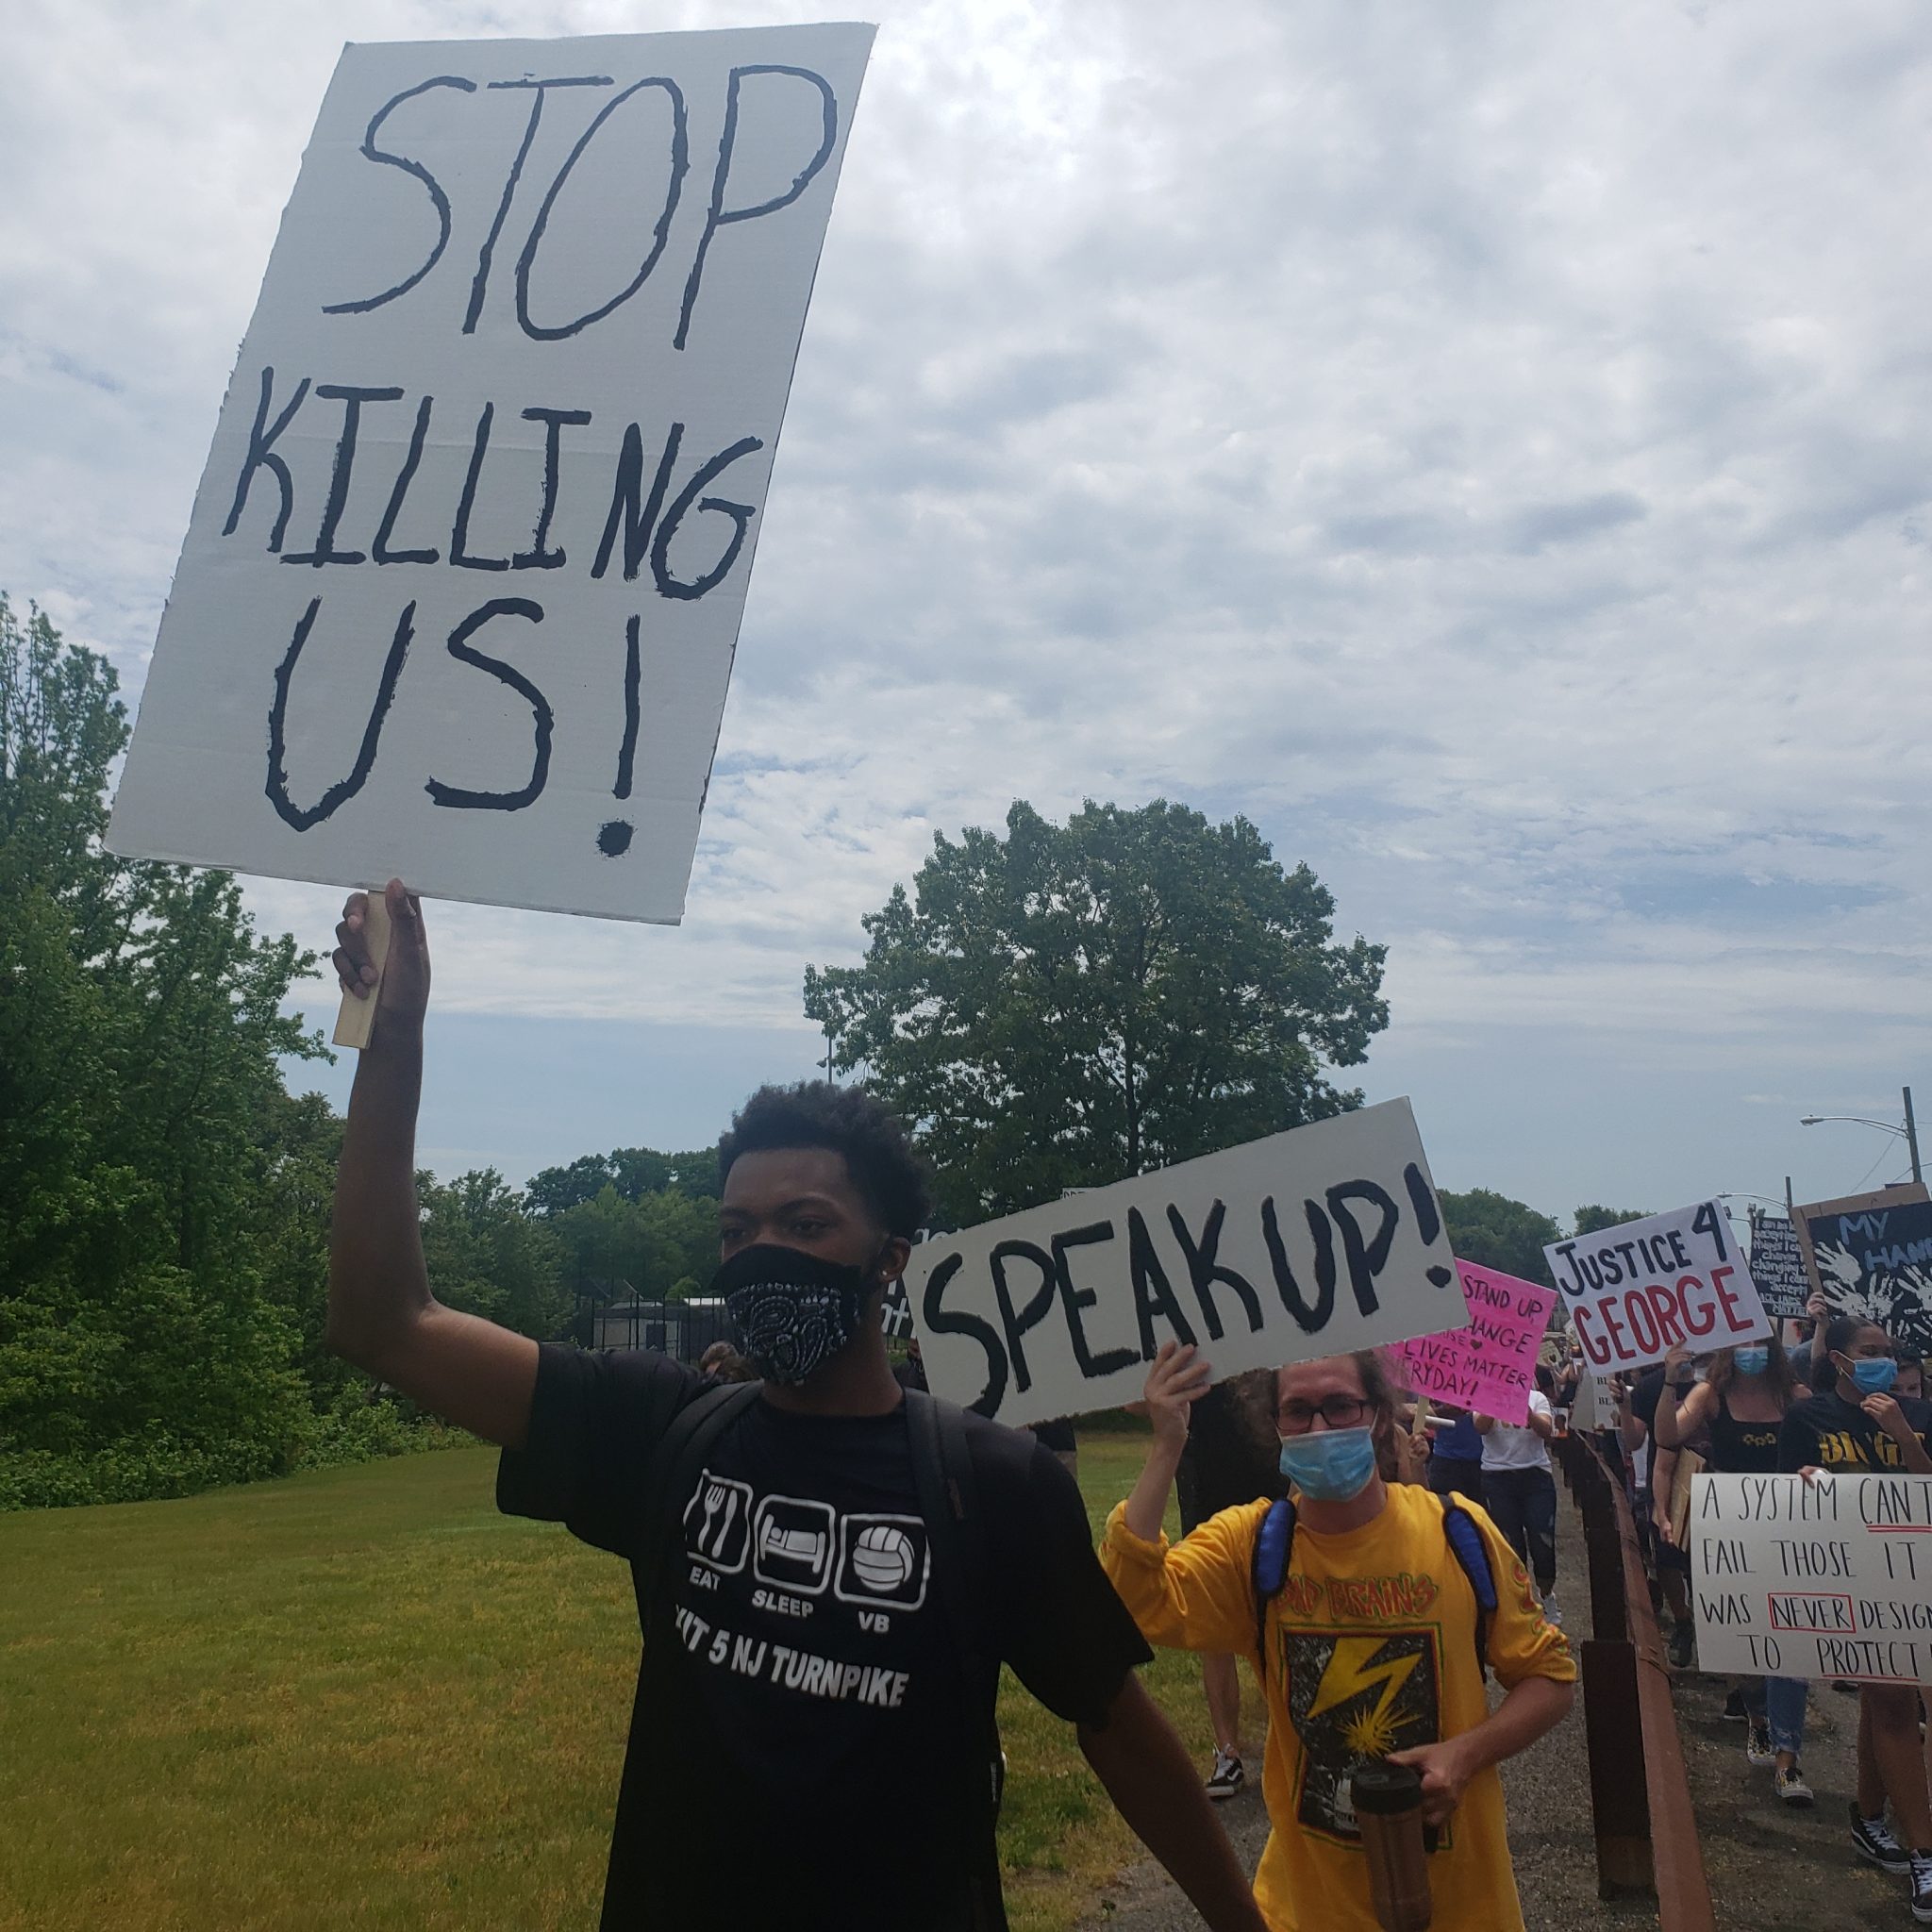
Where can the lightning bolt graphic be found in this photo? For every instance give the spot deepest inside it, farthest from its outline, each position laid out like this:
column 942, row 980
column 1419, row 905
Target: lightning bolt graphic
column 1349, row 1673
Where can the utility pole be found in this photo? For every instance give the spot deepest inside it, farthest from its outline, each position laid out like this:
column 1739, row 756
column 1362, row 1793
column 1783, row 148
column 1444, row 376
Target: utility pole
column 833, row 1078
column 1912, row 1137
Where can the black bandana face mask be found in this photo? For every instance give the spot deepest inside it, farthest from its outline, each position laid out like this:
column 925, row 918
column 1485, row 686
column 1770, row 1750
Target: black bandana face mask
column 791, row 1312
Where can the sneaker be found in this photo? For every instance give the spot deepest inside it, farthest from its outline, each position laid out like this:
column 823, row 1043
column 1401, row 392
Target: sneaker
column 1228, row 1776
column 1683, row 1647
column 1788, row 1783
column 1921, row 1887
column 1758, row 1745
column 1875, row 1840
column 1735, row 1712
column 1553, row 1610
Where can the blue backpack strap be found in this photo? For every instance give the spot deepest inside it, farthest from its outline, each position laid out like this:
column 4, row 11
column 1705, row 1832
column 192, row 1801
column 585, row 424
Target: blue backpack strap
column 1273, row 1547
column 1466, row 1540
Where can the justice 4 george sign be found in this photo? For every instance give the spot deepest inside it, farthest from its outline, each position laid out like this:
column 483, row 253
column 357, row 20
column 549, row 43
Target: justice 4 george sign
column 1636, row 1292
column 464, row 579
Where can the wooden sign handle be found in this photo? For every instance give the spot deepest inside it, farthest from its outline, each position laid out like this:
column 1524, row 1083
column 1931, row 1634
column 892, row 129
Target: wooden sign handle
column 356, row 1020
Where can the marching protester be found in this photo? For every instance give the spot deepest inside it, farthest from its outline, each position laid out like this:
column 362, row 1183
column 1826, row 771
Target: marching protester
column 1854, row 1423
column 1740, row 1407
column 1229, row 1458
column 1456, row 1455
column 1520, row 1488
column 1371, row 1642
column 829, row 1569
column 1654, row 1472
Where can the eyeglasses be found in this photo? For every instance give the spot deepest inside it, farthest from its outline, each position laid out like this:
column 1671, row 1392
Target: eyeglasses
column 1336, row 1412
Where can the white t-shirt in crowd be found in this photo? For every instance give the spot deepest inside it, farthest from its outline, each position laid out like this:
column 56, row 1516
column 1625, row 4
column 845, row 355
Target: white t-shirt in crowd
column 1507, row 1448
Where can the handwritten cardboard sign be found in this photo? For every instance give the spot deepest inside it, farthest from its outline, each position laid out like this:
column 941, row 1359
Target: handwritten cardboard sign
column 1871, row 1256
column 1308, row 1244
column 1636, row 1292
column 464, row 579
column 1490, row 1364
column 1777, row 1266
column 1826, row 1578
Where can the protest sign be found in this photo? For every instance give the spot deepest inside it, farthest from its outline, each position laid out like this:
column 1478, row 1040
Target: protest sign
column 1490, row 1364
column 1636, row 1292
column 1777, row 1266
column 1308, row 1244
column 1593, row 1409
column 1871, row 1256
column 896, row 1316
column 463, row 578
column 1825, row 1578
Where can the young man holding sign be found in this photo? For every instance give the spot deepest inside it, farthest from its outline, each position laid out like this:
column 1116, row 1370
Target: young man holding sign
column 1373, row 1643
column 829, row 1570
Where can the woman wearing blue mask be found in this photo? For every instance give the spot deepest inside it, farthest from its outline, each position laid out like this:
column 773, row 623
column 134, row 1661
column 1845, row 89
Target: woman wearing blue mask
column 1742, row 1403
column 1854, row 1423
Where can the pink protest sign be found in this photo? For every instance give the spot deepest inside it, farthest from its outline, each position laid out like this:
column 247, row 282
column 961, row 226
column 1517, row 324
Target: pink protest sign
column 1491, row 1365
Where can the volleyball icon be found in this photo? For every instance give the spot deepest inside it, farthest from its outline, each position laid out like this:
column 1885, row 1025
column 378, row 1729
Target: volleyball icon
column 882, row 1558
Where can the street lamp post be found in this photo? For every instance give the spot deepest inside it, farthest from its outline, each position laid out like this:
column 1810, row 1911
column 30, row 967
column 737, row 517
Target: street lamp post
column 1908, row 1133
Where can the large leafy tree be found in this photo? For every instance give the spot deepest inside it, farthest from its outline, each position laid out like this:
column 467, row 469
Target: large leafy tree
column 1493, row 1231
column 1073, row 1004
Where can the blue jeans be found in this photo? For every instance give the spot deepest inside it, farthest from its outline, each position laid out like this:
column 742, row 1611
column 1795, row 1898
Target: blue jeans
column 1784, row 1711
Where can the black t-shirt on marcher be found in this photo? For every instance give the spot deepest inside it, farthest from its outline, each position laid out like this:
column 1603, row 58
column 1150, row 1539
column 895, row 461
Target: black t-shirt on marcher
column 801, row 1749
column 1829, row 1432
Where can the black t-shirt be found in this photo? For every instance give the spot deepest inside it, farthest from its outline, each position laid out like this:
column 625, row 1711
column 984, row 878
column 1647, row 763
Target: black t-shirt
column 801, row 1741
column 1828, row 1432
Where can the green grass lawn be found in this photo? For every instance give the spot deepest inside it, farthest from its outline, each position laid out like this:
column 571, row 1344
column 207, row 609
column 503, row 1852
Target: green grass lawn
column 362, row 1697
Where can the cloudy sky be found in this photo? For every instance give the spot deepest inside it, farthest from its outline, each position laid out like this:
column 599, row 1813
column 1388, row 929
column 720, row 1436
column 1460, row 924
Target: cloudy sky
column 1487, row 444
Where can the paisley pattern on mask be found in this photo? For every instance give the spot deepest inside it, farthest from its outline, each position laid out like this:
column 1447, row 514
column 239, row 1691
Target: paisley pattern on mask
column 791, row 1312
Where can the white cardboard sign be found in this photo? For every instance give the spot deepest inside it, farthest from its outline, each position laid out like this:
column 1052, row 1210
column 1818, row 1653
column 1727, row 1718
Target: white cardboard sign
column 1312, row 1242
column 464, row 579
column 1826, row 1578
column 1636, row 1292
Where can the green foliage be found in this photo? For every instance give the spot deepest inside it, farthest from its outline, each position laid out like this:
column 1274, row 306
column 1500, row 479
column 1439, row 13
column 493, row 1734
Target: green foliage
column 1493, row 1231
column 1078, row 1003
column 634, row 1172
column 1593, row 1218
column 488, row 1255
column 656, row 1243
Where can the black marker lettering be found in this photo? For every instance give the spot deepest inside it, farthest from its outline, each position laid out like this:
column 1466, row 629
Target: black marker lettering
column 1152, row 1293
column 339, row 794
column 537, row 557
column 261, row 455
column 438, row 198
column 1365, row 1260
column 539, row 87
column 935, row 1321
column 461, row 649
column 680, row 163
column 719, row 216
column 351, row 401
column 1205, row 1271
column 1017, row 1324
column 740, row 513
column 614, row 835
column 460, row 537
column 1075, row 1300
column 379, row 550
column 1309, row 1319
column 624, row 512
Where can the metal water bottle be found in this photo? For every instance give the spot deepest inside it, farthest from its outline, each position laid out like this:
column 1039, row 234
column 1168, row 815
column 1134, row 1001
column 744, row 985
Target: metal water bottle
column 1388, row 1801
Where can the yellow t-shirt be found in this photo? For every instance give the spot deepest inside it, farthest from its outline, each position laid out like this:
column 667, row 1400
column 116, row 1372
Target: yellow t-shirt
column 1371, row 1647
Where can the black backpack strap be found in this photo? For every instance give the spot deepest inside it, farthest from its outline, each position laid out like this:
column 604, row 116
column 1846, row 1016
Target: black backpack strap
column 942, row 1478
column 673, row 1475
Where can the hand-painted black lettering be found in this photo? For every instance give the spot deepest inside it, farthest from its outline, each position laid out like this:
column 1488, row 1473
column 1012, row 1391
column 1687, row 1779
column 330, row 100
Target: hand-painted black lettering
column 1323, row 1234
column 740, row 513
column 344, row 789
column 1152, row 1293
column 625, row 512
column 1205, row 1271
column 261, row 455
column 1076, row 1300
column 539, row 556
column 681, row 164
column 719, row 216
column 1030, row 1316
column 1428, row 1223
column 1366, row 1260
column 460, row 537
column 379, row 550
column 351, row 401
column 460, row 648
column 439, row 200
column 1310, row 1317
column 934, row 1320
column 480, row 287
column 614, row 835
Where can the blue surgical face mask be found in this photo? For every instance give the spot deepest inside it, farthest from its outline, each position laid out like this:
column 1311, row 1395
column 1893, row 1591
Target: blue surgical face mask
column 1329, row 1465
column 1751, row 1362
column 1875, row 1374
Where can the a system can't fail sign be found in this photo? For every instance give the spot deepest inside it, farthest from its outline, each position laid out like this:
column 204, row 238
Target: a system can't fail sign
column 463, row 580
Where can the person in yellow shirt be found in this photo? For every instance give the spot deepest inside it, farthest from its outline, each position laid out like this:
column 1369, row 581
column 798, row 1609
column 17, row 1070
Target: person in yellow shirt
column 1368, row 1649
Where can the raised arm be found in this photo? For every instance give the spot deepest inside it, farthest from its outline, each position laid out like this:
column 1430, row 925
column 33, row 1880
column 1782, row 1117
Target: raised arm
column 381, row 1315
column 1677, row 1419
